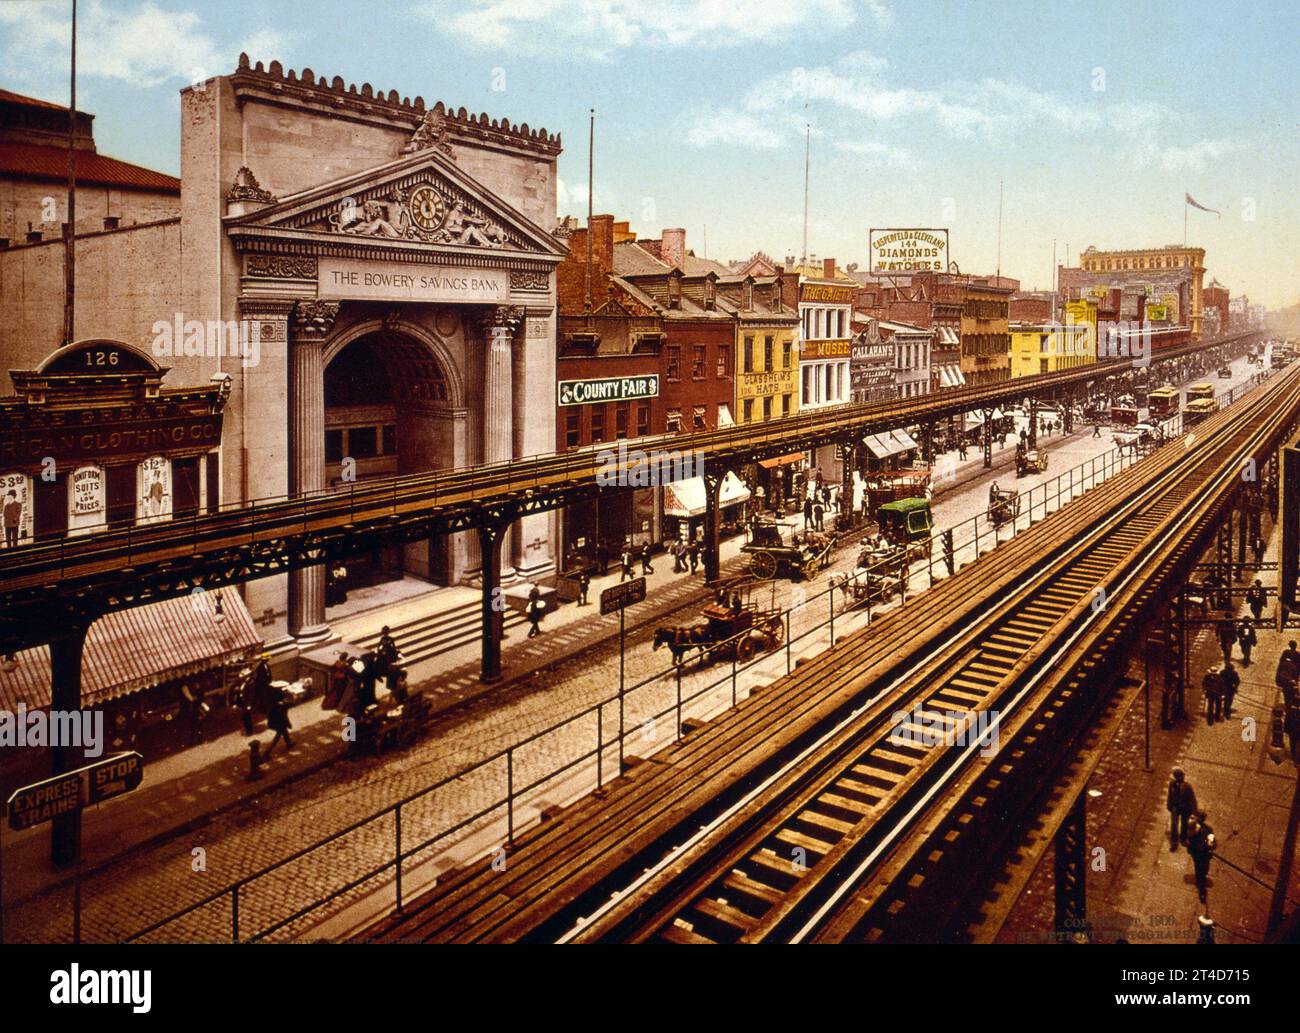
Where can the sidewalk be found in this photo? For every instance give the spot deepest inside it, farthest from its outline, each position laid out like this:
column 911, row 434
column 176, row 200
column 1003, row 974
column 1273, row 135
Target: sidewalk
column 185, row 790
column 1147, row 892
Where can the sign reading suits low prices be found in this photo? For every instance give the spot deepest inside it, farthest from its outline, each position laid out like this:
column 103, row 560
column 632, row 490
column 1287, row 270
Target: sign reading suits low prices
column 906, row 251
column 610, row 389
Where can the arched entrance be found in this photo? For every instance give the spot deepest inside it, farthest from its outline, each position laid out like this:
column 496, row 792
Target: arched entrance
column 388, row 411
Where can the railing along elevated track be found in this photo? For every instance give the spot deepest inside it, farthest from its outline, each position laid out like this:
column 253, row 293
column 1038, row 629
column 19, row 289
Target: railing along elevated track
column 804, row 814
column 75, row 579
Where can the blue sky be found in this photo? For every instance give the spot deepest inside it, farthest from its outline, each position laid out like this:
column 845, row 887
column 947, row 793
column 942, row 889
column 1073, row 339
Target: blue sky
column 1097, row 116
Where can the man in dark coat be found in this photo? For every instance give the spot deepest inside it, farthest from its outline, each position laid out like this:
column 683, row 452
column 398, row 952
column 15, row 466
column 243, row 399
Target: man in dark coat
column 1180, row 802
column 818, row 515
column 535, row 610
column 645, row 559
column 1212, row 686
column 1229, row 682
column 693, row 552
column 1256, row 599
column 277, row 719
column 1200, row 844
column 584, row 583
column 807, row 511
column 1227, row 636
column 1246, row 638
column 626, row 560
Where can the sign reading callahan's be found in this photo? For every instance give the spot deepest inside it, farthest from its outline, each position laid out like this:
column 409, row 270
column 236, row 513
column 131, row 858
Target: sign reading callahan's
column 610, row 389
column 905, row 251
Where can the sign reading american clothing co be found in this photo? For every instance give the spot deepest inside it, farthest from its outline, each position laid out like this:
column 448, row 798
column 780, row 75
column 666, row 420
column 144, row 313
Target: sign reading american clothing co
column 391, row 281
column 611, row 389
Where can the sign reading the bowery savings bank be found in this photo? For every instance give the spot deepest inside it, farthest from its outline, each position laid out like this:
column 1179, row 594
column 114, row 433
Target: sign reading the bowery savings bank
column 905, row 251
column 363, row 278
column 611, row 389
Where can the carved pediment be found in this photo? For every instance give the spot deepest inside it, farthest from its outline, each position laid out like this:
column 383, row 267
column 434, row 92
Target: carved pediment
column 422, row 198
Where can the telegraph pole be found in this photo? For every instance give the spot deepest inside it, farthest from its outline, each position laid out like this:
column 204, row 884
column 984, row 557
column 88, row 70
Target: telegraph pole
column 591, row 162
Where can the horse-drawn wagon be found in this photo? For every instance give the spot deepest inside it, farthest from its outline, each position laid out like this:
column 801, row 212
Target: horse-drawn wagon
column 729, row 630
column 772, row 553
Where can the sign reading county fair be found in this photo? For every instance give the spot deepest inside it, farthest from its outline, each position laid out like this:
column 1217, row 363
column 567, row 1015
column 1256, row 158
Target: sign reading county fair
column 905, row 251
column 35, row 804
column 611, row 389
column 390, row 281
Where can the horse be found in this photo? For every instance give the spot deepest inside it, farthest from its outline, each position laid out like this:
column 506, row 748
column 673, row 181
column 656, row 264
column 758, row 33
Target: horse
column 679, row 640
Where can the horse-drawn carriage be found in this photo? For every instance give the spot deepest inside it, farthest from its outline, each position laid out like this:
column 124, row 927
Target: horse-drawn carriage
column 1030, row 460
column 881, row 570
column 731, row 629
column 798, row 556
column 1004, row 505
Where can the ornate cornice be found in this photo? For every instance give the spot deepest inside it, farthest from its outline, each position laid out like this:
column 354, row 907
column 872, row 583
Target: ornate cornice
column 247, row 188
column 507, row 317
column 281, row 267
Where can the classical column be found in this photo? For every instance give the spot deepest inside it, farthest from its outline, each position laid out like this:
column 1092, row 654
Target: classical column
column 499, row 325
column 312, row 323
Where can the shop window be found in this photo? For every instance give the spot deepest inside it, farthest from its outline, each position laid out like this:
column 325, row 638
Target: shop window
column 185, row 486
column 748, row 411
column 643, row 418
column 674, row 362
column 785, row 405
column 749, row 355
column 769, row 344
column 363, row 442
column 597, row 424
column 121, row 494
column 214, row 482
column 572, row 428
column 674, row 421
column 621, row 414
column 724, row 362
column 787, row 350
column 334, row 446
column 390, row 439
column 698, row 422
column 697, row 364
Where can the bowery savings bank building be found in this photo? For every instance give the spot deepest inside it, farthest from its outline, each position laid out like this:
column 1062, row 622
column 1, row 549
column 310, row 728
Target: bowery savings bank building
column 375, row 276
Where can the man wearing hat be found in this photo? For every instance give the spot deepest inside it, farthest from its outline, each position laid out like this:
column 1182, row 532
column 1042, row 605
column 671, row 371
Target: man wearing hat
column 1200, row 844
column 1180, row 801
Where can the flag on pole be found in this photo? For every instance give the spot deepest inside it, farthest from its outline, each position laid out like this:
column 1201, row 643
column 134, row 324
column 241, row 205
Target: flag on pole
column 1195, row 204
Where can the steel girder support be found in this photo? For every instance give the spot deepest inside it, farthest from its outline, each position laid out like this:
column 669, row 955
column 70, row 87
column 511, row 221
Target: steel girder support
column 1071, row 883
column 66, row 649
column 712, row 562
column 490, row 537
column 988, row 439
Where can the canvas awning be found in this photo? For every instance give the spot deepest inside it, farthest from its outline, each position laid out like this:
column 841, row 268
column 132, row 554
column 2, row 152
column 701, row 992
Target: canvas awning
column 687, row 498
column 131, row 650
column 890, row 443
column 793, row 457
column 948, row 337
column 724, row 416
column 950, row 375
column 976, row 419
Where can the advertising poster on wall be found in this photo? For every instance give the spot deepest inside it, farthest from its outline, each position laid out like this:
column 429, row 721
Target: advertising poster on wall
column 153, row 490
column 86, row 510
column 16, row 507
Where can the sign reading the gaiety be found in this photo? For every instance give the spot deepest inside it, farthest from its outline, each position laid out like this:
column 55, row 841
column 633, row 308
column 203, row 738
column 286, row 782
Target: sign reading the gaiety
column 905, row 251
column 393, row 281
column 610, row 389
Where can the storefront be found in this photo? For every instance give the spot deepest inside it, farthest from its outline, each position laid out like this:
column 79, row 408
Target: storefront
column 596, row 532
column 780, row 481
column 685, row 506
column 889, row 450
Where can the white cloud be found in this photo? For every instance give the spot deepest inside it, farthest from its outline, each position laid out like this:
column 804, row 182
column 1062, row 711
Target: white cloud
column 878, row 153
column 600, row 28
column 1174, row 158
column 705, row 126
column 139, row 44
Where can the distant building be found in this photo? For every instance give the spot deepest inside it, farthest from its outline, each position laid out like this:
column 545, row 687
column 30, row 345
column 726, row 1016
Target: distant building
column 1170, row 278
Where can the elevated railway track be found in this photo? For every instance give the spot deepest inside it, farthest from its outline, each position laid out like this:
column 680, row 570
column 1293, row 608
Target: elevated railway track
column 823, row 808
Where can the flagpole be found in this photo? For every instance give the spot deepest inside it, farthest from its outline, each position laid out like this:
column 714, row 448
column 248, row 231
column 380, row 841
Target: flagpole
column 1184, row 220
column 70, row 229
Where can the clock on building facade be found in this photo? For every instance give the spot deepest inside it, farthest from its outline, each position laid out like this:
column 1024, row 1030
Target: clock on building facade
column 427, row 208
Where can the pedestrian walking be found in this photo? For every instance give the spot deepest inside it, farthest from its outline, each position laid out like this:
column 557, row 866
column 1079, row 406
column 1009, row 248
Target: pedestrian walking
column 1230, row 682
column 1201, row 844
column 819, row 513
column 584, row 583
column 195, row 710
column 1256, row 598
column 534, row 611
column 807, row 512
column 645, row 559
column 826, row 495
column 1096, row 430
column 1291, row 725
column 1212, row 688
column 961, row 448
column 1227, row 635
column 1288, row 672
column 602, row 558
column 693, row 554
column 278, row 721
column 626, row 560
column 1180, row 802
column 1259, row 547
column 678, row 550
column 1246, row 638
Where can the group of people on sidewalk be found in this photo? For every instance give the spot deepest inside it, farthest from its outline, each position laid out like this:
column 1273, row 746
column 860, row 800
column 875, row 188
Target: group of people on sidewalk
column 1190, row 827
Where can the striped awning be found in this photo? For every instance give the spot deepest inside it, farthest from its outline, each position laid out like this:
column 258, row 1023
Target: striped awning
column 950, row 375
column 131, row 650
column 890, row 443
column 688, row 498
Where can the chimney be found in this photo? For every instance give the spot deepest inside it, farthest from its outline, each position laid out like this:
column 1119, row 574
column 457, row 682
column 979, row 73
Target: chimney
column 672, row 248
column 828, row 268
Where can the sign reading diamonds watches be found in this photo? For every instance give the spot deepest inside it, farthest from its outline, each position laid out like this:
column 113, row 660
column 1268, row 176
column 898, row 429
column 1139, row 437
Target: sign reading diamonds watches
column 904, row 251
column 611, row 389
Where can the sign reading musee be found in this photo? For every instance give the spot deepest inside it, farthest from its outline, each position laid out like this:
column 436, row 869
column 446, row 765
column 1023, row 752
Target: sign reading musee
column 363, row 278
column 907, row 251
column 610, row 389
